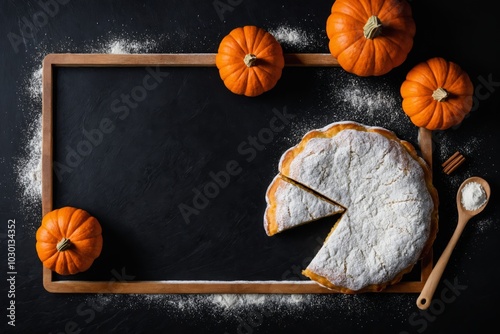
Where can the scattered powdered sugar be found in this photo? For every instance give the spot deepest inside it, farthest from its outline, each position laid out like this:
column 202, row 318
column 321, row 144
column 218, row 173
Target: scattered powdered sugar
column 353, row 98
column 125, row 46
column 373, row 101
column 29, row 168
column 254, row 310
column 361, row 99
column 289, row 36
column 34, row 85
column 449, row 143
column 221, row 303
column 483, row 225
column 233, row 301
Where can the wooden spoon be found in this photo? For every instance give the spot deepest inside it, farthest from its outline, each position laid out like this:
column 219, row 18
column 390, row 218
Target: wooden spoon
column 425, row 298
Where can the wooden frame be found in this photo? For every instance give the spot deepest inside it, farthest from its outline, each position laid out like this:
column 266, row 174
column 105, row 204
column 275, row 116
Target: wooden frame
column 179, row 60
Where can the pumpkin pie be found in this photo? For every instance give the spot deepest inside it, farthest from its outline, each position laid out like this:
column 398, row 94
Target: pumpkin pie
column 391, row 206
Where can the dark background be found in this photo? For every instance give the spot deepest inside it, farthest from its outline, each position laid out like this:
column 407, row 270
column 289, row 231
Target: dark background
column 204, row 124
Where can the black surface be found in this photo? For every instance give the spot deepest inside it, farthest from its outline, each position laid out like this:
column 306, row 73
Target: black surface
column 190, row 125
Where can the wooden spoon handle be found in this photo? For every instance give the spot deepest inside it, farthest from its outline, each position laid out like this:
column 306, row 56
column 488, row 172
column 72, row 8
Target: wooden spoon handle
column 425, row 297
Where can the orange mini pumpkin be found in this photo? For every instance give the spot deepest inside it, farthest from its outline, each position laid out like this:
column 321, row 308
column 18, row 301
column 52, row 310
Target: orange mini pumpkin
column 437, row 94
column 370, row 37
column 69, row 240
column 250, row 61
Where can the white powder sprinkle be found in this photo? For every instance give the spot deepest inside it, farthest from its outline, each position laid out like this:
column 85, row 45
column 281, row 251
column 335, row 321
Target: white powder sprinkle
column 29, row 168
column 34, row 85
column 449, row 144
column 253, row 313
column 289, row 36
column 125, row 46
column 373, row 101
column 232, row 301
column 483, row 225
column 473, row 196
column 226, row 304
column 117, row 47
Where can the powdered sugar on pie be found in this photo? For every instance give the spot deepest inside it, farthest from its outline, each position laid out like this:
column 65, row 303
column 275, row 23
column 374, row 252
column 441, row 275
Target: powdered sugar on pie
column 290, row 205
column 391, row 205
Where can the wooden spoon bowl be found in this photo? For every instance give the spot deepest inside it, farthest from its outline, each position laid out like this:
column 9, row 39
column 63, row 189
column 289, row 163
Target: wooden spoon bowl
column 468, row 214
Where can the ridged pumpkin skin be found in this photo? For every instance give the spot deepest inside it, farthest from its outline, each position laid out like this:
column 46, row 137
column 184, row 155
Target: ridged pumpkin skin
column 76, row 255
column 437, row 94
column 247, row 75
column 364, row 45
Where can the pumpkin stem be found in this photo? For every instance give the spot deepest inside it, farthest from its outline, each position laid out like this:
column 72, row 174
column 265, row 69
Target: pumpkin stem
column 373, row 27
column 63, row 245
column 440, row 94
column 250, row 59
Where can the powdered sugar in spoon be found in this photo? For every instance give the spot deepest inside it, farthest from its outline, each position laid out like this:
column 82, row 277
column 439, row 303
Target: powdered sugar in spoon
column 475, row 202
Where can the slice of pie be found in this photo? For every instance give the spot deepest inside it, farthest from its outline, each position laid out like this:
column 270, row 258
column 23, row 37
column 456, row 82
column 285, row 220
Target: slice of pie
column 290, row 205
column 391, row 214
